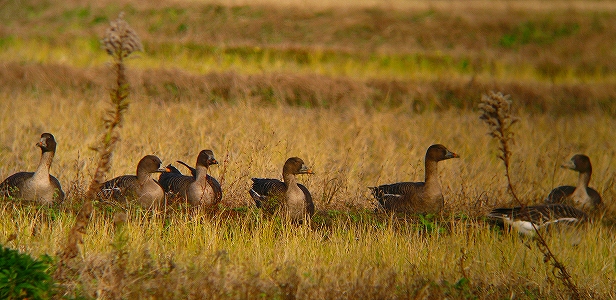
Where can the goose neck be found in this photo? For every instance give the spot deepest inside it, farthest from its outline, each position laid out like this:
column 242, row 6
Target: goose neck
column 289, row 178
column 583, row 180
column 44, row 165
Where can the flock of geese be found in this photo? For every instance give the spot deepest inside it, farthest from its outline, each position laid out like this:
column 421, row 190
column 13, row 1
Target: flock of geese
column 565, row 204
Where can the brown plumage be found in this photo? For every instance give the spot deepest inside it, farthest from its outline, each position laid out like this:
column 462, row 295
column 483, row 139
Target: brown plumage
column 580, row 196
column 37, row 186
column 199, row 189
column 416, row 197
column 140, row 188
column 294, row 198
column 522, row 218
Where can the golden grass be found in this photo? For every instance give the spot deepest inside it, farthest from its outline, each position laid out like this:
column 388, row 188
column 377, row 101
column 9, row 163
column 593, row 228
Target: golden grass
column 194, row 256
column 352, row 148
column 350, row 251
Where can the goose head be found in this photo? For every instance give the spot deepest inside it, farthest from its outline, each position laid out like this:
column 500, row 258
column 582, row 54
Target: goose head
column 150, row 164
column 439, row 152
column 580, row 163
column 295, row 165
column 206, row 158
column 47, row 143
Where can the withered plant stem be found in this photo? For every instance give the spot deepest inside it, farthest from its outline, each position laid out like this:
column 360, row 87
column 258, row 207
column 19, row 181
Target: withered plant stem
column 120, row 41
column 496, row 113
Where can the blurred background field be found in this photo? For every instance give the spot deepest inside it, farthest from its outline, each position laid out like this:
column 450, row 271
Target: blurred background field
column 359, row 91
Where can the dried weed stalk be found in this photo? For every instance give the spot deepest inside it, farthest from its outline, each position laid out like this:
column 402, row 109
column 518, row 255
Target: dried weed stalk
column 120, row 41
column 496, row 113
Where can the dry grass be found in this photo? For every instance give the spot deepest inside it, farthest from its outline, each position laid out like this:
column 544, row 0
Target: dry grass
column 355, row 146
column 310, row 90
column 354, row 132
column 352, row 148
column 513, row 45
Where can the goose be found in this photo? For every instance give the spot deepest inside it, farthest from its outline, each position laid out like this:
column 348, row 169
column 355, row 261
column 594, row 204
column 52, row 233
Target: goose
column 38, row 186
column 199, row 189
column 141, row 187
column 580, row 196
column 522, row 218
column 166, row 177
column 192, row 170
column 416, row 197
column 270, row 194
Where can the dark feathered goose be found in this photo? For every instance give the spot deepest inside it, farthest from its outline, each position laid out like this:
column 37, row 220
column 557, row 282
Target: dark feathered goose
column 580, row 196
column 193, row 171
column 168, row 176
column 37, row 186
column 416, row 197
column 522, row 218
column 199, row 189
column 270, row 194
column 141, row 187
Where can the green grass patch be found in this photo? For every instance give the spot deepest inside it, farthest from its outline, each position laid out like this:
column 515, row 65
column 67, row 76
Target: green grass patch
column 202, row 58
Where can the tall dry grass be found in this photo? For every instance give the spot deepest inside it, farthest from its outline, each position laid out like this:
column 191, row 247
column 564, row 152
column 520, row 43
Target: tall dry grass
column 354, row 146
column 348, row 148
column 196, row 256
column 350, row 252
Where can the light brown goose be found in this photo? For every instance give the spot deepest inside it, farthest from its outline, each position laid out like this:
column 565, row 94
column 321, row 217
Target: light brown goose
column 580, row 196
column 416, row 197
column 37, row 186
column 141, row 187
column 522, row 218
column 294, row 198
column 200, row 189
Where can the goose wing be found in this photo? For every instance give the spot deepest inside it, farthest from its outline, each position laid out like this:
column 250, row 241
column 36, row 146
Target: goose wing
column 216, row 187
column 523, row 217
column 192, row 170
column 175, row 185
column 58, row 187
column 164, row 177
column 267, row 193
column 395, row 195
column 309, row 202
column 595, row 197
column 560, row 194
column 118, row 188
column 12, row 183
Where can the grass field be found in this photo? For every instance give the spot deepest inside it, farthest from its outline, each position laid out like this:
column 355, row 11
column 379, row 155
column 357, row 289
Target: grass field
column 359, row 92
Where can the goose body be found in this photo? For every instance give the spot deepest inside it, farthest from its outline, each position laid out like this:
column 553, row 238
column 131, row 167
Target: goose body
column 198, row 189
column 580, row 196
column 141, row 188
column 522, row 218
column 170, row 181
column 294, row 198
column 38, row 186
column 416, row 197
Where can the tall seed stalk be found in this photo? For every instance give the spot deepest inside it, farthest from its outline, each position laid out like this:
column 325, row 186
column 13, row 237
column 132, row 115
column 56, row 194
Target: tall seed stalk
column 119, row 42
column 496, row 113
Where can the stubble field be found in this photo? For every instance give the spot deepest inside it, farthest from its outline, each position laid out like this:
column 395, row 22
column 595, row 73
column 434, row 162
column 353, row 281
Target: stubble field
column 359, row 93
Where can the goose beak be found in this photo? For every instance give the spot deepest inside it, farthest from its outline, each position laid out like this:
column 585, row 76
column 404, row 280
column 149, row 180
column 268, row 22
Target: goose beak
column 305, row 170
column 451, row 155
column 568, row 165
column 41, row 143
column 163, row 170
column 212, row 161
